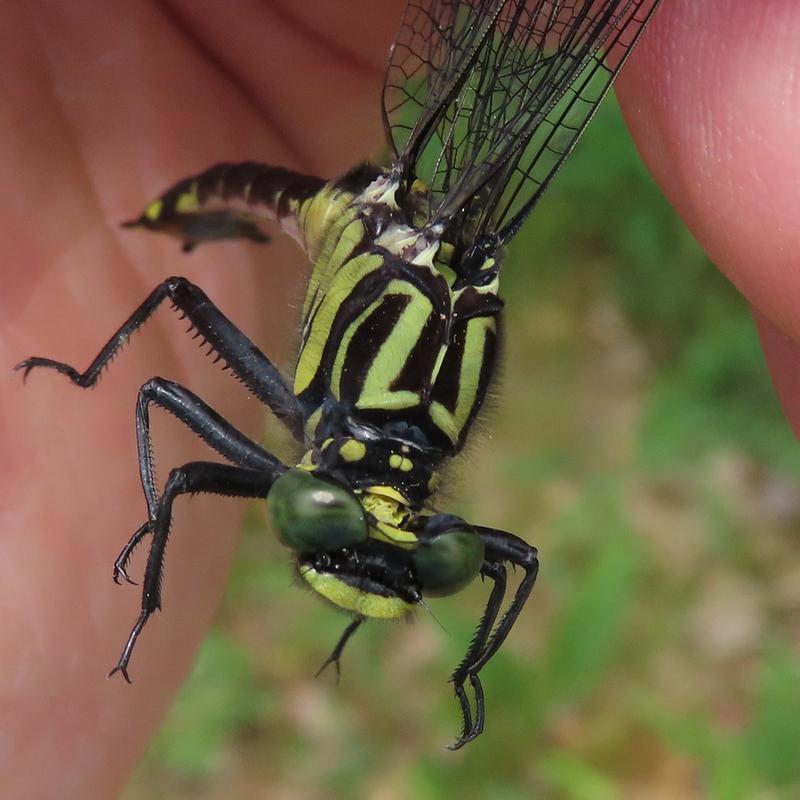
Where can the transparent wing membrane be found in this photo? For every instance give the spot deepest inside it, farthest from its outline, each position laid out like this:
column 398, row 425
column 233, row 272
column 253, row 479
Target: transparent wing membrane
column 484, row 100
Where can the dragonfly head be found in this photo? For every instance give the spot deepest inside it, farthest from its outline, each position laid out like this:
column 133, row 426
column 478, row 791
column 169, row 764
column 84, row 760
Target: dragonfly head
column 363, row 552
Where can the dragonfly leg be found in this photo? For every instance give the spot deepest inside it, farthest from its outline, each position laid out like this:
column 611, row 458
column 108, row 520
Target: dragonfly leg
column 121, row 561
column 193, row 478
column 199, row 417
column 334, row 657
column 496, row 572
column 210, row 426
column 243, row 358
column 501, row 548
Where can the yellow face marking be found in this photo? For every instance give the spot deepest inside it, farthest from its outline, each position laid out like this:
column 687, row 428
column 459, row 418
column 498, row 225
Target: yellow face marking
column 389, row 514
column 392, row 535
column 348, row 597
column 384, row 509
column 387, row 492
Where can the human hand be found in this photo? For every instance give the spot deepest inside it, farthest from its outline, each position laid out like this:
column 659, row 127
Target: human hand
column 104, row 110
column 712, row 101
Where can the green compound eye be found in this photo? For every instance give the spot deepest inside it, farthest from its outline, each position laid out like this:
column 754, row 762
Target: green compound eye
column 312, row 515
column 448, row 562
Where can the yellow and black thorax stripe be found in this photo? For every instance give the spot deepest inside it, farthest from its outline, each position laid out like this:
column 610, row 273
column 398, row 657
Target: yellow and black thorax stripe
column 397, row 350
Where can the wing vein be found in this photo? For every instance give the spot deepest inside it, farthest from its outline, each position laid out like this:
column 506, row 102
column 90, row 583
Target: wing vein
column 484, row 100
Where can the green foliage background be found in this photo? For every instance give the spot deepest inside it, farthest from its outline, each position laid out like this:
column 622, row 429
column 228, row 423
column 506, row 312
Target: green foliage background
column 636, row 440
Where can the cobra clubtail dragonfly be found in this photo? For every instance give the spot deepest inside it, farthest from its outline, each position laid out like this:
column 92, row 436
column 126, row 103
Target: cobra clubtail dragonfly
column 483, row 101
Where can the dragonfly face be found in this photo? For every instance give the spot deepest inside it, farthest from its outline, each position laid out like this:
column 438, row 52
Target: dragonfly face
column 482, row 102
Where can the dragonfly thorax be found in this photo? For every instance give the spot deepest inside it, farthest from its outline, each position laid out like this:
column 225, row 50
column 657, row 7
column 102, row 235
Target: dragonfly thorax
column 398, row 348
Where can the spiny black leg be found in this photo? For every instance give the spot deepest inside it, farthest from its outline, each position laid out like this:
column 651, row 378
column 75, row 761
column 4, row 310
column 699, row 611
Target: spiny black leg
column 122, row 664
column 192, row 478
column 244, row 359
column 480, row 708
column 121, row 562
column 334, row 657
column 212, row 428
column 198, row 416
column 496, row 572
column 517, row 552
column 466, row 717
column 500, row 547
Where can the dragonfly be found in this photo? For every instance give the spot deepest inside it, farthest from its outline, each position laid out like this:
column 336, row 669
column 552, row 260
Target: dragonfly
column 483, row 100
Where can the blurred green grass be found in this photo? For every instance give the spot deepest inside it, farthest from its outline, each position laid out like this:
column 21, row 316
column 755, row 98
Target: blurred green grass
column 635, row 439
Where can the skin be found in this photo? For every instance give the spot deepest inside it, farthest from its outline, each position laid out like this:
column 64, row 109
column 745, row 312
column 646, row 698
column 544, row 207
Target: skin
column 102, row 111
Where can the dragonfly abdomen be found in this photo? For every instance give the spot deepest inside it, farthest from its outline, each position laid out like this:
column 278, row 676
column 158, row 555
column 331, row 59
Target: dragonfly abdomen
column 231, row 201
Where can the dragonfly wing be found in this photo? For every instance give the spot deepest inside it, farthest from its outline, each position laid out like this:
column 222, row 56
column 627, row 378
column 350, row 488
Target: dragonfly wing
column 484, row 100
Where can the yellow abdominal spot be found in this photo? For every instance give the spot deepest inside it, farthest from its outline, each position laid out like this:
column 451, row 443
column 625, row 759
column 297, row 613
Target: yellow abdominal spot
column 188, row 201
column 153, row 211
